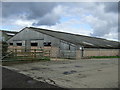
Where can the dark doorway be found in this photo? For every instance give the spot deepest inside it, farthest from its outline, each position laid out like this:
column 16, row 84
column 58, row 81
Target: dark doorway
column 19, row 44
column 47, row 43
column 34, row 44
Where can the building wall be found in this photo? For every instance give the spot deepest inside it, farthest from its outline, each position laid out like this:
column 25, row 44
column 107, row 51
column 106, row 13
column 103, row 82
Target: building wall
column 78, row 54
column 59, row 48
column 3, row 36
column 26, row 37
column 0, row 50
column 67, row 49
column 100, row 52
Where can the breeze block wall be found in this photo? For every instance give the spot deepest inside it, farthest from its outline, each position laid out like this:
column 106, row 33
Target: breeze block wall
column 78, row 54
column 100, row 52
column 54, row 52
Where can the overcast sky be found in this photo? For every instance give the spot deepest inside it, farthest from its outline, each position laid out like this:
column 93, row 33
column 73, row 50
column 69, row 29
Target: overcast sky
column 96, row 19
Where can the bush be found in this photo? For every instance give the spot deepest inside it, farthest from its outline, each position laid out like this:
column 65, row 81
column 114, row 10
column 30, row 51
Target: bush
column 4, row 48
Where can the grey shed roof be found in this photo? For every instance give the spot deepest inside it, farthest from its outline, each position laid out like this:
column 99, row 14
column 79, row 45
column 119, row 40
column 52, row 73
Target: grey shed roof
column 85, row 41
column 9, row 33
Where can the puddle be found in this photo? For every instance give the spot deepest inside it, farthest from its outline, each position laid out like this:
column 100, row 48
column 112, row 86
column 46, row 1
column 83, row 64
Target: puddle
column 73, row 71
column 78, row 66
column 81, row 76
column 36, row 68
column 69, row 72
column 99, row 70
column 104, row 64
column 67, row 80
column 63, row 67
column 25, row 70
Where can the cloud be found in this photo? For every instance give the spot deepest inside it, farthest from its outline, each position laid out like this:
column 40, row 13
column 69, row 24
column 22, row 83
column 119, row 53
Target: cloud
column 32, row 9
column 102, row 22
column 26, row 23
column 70, row 26
column 29, row 10
column 112, row 36
column 111, row 7
column 51, row 18
column 102, row 18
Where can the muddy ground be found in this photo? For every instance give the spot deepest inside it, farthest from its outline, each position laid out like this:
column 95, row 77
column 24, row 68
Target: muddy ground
column 91, row 73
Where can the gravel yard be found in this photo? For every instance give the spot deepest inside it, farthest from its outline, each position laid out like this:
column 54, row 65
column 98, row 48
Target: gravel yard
column 91, row 73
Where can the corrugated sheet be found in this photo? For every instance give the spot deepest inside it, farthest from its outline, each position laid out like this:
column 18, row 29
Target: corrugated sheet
column 86, row 41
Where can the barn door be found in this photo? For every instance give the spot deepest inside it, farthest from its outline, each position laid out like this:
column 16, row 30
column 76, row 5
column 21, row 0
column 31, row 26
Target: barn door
column 27, row 45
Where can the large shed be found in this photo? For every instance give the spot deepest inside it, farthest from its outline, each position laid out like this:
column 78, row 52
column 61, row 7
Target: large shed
column 5, row 35
column 62, row 44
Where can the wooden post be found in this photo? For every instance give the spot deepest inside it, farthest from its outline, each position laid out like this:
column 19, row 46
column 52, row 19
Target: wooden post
column 49, row 53
column 34, row 53
column 15, row 52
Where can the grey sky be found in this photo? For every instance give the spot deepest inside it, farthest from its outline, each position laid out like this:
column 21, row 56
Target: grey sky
column 101, row 17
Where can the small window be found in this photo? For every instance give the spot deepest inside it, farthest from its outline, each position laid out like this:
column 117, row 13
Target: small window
column 19, row 44
column 11, row 44
column 69, row 46
column 34, row 44
column 47, row 43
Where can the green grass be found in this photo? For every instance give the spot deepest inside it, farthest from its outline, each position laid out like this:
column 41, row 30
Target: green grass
column 12, row 61
column 24, row 59
column 105, row 57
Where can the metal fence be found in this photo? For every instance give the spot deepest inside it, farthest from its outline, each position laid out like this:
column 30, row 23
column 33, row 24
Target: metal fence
column 67, row 54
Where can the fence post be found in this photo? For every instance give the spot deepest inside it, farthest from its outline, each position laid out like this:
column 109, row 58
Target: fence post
column 49, row 53
column 34, row 53
column 15, row 52
column 43, row 53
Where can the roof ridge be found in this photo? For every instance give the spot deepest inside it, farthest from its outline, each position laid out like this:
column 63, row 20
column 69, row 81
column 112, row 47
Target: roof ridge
column 9, row 31
column 70, row 33
column 66, row 33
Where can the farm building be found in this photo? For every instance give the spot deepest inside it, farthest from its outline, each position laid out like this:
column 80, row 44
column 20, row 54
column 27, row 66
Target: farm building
column 5, row 35
column 62, row 44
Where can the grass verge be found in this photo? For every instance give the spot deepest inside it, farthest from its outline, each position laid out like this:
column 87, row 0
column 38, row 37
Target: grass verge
column 105, row 57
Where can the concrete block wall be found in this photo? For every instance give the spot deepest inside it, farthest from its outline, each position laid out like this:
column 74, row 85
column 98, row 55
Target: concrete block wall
column 78, row 54
column 54, row 52
column 101, row 52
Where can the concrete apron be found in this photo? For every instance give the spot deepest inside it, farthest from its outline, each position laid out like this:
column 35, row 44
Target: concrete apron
column 73, row 73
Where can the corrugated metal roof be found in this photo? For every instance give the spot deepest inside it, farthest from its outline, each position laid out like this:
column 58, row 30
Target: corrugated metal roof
column 7, row 34
column 85, row 41
column 12, row 32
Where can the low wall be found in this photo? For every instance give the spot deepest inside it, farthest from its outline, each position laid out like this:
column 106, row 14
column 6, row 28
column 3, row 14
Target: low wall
column 100, row 52
column 54, row 52
column 78, row 54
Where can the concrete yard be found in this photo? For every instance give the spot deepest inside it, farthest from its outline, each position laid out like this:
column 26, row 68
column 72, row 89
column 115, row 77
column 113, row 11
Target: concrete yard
column 91, row 73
